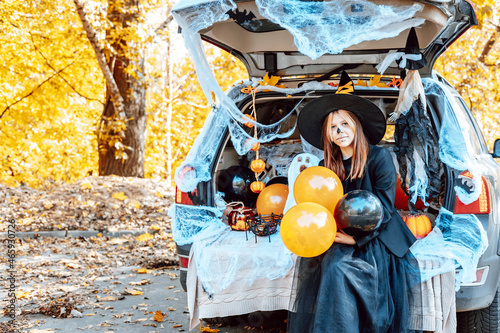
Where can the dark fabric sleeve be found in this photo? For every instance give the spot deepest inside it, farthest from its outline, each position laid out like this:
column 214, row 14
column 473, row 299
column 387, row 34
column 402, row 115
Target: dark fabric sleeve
column 383, row 179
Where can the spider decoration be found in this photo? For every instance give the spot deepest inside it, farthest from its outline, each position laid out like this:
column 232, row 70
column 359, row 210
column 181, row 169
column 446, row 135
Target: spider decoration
column 263, row 225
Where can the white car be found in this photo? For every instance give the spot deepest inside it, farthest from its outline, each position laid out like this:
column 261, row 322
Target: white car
column 308, row 53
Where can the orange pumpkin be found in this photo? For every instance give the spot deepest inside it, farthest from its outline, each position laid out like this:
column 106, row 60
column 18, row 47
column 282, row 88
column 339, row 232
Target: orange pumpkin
column 248, row 124
column 419, row 225
column 256, row 147
column 257, row 187
column 238, row 217
column 258, row 166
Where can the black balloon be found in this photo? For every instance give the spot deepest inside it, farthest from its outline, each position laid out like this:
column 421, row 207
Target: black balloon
column 278, row 180
column 359, row 213
column 235, row 182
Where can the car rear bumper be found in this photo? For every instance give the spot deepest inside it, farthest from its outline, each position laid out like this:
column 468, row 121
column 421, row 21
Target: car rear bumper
column 183, row 254
column 480, row 296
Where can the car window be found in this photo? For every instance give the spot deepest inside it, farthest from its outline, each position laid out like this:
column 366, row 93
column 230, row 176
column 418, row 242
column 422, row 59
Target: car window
column 474, row 134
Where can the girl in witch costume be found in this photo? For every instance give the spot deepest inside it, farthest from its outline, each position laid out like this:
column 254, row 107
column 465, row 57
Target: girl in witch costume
column 361, row 284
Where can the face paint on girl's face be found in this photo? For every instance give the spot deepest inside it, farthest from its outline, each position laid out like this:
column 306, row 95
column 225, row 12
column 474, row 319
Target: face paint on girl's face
column 341, row 133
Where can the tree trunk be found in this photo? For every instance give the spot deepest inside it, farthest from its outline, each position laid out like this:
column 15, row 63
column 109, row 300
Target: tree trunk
column 489, row 45
column 122, row 143
column 170, row 84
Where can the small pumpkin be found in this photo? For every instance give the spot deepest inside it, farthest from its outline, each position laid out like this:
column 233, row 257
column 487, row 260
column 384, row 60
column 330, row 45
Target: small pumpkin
column 419, row 225
column 256, row 147
column 257, row 187
column 238, row 217
column 248, row 124
column 258, row 165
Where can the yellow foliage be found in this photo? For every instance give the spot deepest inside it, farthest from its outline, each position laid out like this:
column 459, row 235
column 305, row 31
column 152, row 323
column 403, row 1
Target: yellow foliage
column 189, row 109
column 50, row 94
column 52, row 91
column 474, row 74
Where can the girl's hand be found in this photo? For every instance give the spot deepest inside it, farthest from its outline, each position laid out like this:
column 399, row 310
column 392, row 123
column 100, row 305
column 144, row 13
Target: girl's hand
column 343, row 238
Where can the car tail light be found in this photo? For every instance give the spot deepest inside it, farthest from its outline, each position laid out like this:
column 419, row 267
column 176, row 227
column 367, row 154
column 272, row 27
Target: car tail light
column 481, row 206
column 184, row 262
column 183, row 197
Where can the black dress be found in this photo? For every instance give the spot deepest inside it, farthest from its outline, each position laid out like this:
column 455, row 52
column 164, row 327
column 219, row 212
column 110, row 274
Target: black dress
column 365, row 287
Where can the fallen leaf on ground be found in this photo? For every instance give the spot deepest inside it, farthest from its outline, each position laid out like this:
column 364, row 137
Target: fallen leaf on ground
column 158, row 317
column 22, row 294
column 135, row 205
column 119, row 195
column 86, row 185
column 145, row 237
column 140, row 283
column 208, row 329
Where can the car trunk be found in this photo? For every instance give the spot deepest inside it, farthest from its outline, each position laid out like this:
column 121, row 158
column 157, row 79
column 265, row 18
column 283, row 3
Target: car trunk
column 278, row 154
column 259, row 38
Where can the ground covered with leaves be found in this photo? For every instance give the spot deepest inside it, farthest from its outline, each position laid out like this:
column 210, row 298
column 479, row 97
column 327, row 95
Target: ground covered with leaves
column 93, row 203
column 65, row 277
column 75, row 277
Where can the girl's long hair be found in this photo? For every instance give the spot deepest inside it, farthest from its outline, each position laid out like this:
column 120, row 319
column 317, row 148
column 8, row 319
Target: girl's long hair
column 333, row 155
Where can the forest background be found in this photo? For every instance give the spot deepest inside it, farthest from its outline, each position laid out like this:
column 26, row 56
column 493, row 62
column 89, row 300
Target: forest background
column 99, row 87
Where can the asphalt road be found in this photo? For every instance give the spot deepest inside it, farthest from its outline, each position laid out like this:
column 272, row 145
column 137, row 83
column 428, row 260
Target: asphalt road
column 136, row 313
column 108, row 295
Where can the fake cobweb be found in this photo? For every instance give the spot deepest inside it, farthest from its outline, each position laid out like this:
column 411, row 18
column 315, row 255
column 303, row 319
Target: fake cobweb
column 460, row 237
column 341, row 24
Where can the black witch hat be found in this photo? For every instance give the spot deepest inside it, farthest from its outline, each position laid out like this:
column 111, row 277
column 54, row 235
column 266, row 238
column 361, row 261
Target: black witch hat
column 412, row 47
column 312, row 116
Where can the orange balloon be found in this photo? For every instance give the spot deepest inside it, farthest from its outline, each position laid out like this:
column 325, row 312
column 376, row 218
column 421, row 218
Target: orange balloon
column 320, row 185
column 308, row 229
column 272, row 199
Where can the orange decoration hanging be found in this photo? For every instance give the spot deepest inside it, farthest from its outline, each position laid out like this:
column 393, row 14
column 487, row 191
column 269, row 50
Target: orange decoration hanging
column 395, row 83
column 247, row 90
column 248, row 124
column 256, row 147
column 258, row 166
column 419, row 225
column 257, row 187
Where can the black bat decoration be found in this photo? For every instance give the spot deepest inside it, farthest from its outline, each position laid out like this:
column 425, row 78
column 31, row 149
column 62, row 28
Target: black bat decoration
column 241, row 17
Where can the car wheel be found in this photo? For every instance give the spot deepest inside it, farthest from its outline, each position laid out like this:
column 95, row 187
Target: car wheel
column 272, row 319
column 481, row 321
column 183, row 279
column 224, row 321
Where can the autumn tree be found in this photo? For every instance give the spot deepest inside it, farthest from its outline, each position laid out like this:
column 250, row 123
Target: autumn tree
column 53, row 91
column 50, row 94
column 121, row 132
column 177, row 107
column 471, row 65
